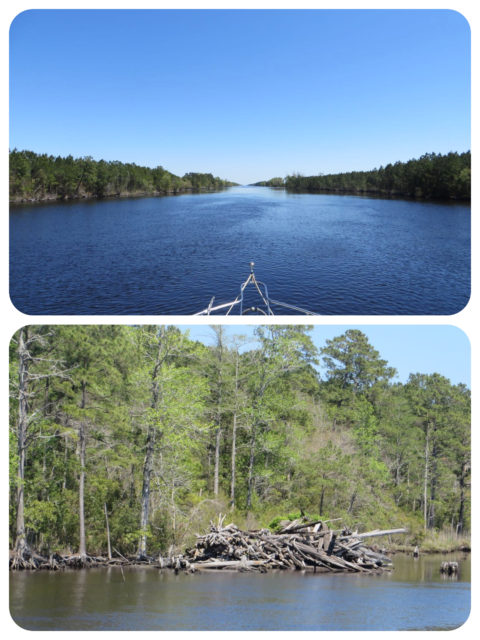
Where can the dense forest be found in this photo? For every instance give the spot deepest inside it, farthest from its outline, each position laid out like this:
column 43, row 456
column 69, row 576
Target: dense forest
column 44, row 177
column 429, row 177
column 144, row 433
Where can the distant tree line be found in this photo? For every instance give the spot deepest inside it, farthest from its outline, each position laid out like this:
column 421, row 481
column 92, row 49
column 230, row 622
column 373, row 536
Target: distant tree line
column 45, row 177
column 274, row 182
column 429, row 177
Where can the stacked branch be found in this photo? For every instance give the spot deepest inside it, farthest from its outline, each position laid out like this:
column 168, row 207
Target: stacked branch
column 298, row 545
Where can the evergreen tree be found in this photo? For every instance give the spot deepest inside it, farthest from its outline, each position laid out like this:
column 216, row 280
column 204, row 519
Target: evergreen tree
column 127, row 439
column 39, row 177
column 174, row 397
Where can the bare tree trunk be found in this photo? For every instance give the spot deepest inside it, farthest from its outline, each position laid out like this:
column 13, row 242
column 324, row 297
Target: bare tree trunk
column 352, row 501
column 461, row 510
column 147, row 474
column 81, row 487
column 234, row 462
column 219, row 331
column 233, row 467
column 45, row 446
column 174, row 514
column 217, row 460
column 425, row 483
column 109, row 547
column 65, row 459
column 132, row 498
column 23, row 361
column 209, row 462
column 322, row 496
column 251, row 462
column 81, row 491
column 433, row 486
column 150, row 448
column 397, row 472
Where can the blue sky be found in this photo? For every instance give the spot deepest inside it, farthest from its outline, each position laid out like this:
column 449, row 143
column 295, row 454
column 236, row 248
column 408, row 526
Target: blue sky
column 244, row 94
column 443, row 349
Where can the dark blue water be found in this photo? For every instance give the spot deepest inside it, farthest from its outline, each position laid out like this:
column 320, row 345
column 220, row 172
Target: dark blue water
column 330, row 254
column 414, row 596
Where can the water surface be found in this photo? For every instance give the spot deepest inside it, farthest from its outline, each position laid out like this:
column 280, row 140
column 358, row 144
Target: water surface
column 327, row 253
column 414, row 596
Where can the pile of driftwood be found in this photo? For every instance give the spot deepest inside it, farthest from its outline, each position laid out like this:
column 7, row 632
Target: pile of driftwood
column 297, row 545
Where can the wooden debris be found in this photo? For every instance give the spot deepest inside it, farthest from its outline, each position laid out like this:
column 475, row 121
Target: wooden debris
column 298, row 545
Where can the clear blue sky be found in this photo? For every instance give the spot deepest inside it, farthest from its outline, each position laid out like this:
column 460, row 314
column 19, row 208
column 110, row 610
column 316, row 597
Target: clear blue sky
column 443, row 349
column 244, row 94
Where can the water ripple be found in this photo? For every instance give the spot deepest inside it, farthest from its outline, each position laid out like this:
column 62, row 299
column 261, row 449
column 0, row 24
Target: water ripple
column 332, row 254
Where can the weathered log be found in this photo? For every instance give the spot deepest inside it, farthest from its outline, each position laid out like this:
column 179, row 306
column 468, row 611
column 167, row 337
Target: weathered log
column 377, row 532
column 331, row 546
column 326, row 541
column 328, row 560
column 294, row 526
column 230, row 564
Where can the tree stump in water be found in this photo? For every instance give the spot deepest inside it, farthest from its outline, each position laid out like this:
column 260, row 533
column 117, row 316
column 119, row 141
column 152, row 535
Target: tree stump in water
column 450, row 568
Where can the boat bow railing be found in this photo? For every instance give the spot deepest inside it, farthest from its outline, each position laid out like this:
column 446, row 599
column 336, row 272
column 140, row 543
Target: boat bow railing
column 238, row 304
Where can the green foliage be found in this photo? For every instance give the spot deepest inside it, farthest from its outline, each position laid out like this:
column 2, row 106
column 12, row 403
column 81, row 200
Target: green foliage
column 352, row 363
column 352, row 446
column 431, row 176
column 273, row 182
column 41, row 177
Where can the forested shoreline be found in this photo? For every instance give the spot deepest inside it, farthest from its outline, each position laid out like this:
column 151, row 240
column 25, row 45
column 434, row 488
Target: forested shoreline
column 433, row 176
column 42, row 177
column 136, row 437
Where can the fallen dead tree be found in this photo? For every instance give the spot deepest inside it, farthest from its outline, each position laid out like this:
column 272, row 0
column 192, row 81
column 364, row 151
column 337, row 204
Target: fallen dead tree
column 298, row 545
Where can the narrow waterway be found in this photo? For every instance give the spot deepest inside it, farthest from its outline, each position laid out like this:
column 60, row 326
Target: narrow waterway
column 327, row 253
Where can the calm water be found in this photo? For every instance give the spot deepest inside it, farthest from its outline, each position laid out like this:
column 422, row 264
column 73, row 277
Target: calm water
column 414, row 596
column 330, row 254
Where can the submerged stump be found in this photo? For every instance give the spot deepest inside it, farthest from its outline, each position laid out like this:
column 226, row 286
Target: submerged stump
column 449, row 568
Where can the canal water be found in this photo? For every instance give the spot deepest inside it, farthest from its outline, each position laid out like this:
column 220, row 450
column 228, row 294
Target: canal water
column 415, row 596
column 330, row 254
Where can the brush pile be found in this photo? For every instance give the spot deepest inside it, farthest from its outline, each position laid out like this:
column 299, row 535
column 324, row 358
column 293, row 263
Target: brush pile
column 296, row 545
column 30, row 560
